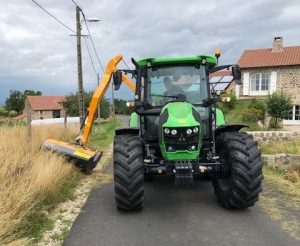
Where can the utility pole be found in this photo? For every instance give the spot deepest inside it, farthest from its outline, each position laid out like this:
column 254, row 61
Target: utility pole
column 79, row 64
column 99, row 102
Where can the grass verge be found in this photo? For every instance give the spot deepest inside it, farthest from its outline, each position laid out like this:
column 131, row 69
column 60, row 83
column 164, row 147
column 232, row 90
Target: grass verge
column 103, row 137
column 35, row 181
column 287, row 147
column 280, row 199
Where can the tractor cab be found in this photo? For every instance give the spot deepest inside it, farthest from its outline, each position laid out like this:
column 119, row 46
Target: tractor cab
column 171, row 100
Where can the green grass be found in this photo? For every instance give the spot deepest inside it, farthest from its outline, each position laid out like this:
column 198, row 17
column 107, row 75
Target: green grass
column 282, row 206
column 279, row 178
column 234, row 116
column 286, row 147
column 103, row 137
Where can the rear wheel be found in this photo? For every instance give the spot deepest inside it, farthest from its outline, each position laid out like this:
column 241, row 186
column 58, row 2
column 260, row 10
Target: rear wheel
column 240, row 183
column 128, row 172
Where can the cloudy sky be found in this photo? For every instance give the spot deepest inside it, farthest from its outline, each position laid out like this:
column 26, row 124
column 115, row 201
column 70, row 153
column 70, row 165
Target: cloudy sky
column 39, row 53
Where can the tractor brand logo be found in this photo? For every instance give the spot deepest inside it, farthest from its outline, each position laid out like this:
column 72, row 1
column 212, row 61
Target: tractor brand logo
column 181, row 138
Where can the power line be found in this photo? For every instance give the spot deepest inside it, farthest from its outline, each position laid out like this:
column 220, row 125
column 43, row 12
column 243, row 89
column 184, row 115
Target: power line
column 76, row 4
column 126, row 63
column 90, row 55
column 89, row 35
column 53, row 17
column 92, row 41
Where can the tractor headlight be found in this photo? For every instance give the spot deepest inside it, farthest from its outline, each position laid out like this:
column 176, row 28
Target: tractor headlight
column 174, row 132
column 170, row 148
column 167, row 131
column 193, row 148
column 195, row 129
column 189, row 131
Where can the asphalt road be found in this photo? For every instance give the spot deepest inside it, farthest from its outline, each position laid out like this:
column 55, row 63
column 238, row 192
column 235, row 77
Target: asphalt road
column 172, row 216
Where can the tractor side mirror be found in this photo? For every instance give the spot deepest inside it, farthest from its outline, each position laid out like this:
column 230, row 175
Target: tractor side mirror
column 236, row 72
column 117, row 78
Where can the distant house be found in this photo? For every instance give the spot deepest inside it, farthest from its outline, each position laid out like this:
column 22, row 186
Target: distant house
column 265, row 71
column 43, row 107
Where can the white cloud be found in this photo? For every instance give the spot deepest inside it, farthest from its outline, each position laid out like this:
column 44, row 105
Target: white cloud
column 38, row 53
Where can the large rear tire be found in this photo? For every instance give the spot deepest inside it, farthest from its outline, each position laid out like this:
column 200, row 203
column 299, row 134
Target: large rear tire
column 242, row 164
column 128, row 172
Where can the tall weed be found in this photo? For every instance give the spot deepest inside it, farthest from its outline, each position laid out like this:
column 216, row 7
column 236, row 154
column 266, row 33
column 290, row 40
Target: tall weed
column 32, row 181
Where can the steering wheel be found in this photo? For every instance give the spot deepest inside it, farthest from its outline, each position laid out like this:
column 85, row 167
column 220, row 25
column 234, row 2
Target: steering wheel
column 175, row 96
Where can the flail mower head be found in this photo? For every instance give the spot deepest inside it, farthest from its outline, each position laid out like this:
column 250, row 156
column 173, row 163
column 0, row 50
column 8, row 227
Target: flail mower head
column 84, row 159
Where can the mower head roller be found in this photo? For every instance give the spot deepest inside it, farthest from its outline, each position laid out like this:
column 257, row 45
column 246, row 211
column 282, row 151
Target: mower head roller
column 84, row 159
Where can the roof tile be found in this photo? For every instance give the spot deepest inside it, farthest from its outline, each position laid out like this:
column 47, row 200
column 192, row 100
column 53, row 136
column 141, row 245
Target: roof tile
column 266, row 58
column 221, row 73
column 45, row 102
column 21, row 116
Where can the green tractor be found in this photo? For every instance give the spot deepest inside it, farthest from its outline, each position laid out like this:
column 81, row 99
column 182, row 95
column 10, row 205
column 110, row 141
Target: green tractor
column 177, row 130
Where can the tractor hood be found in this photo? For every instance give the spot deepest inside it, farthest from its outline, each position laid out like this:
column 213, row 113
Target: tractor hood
column 179, row 131
column 179, row 113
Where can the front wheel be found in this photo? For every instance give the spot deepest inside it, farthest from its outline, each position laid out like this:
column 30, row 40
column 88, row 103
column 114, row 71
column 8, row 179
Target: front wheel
column 240, row 183
column 128, row 172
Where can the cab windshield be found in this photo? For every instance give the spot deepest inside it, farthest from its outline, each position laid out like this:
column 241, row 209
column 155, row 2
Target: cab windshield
column 184, row 83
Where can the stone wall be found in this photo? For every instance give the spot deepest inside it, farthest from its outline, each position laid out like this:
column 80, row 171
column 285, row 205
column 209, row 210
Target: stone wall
column 288, row 80
column 273, row 136
column 284, row 160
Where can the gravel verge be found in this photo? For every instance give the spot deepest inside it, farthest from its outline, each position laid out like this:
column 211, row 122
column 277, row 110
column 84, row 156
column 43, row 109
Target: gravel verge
column 66, row 213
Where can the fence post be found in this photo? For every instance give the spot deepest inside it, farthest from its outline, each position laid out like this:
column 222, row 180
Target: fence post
column 65, row 121
column 29, row 125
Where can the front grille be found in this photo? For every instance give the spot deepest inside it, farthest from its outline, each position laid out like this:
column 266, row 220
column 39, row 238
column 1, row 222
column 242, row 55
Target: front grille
column 181, row 141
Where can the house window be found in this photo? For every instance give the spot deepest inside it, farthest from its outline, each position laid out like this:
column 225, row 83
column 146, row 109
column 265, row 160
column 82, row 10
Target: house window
column 56, row 113
column 297, row 112
column 41, row 112
column 260, row 84
column 294, row 114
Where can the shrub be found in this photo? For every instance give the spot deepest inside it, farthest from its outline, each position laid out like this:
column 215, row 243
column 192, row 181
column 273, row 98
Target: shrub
column 252, row 114
column 272, row 123
column 3, row 113
column 222, row 107
column 232, row 102
column 279, row 105
column 258, row 105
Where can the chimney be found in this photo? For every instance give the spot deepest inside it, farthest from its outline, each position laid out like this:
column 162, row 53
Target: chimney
column 277, row 44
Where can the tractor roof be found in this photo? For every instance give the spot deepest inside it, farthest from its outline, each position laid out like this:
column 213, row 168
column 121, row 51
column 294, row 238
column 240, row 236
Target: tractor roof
column 211, row 60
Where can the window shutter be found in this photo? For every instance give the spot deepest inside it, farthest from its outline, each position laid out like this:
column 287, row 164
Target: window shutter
column 246, row 84
column 237, row 91
column 273, row 82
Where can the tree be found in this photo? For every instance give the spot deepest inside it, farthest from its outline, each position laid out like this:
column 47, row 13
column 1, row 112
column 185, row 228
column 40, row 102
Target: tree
column 258, row 104
column 279, row 105
column 71, row 104
column 31, row 93
column 16, row 100
column 121, row 107
column 104, row 108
